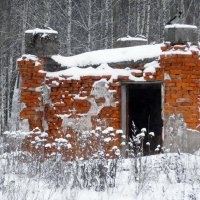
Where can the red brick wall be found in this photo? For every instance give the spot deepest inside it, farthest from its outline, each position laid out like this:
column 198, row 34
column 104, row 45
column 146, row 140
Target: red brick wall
column 182, row 88
column 48, row 100
column 64, row 102
column 66, row 108
column 31, row 94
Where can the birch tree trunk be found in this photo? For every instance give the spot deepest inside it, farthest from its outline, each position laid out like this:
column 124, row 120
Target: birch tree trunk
column 69, row 27
column 1, row 90
column 143, row 18
column 48, row 13
column 6, row 65
column 24, row 23
column 89, row 24
column 129, row 18
column 148, row 18
column 106, row 23
column 138, row 16
column 111, row 24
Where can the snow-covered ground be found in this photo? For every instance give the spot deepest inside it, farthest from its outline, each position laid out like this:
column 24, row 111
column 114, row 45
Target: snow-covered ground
column 159, row 177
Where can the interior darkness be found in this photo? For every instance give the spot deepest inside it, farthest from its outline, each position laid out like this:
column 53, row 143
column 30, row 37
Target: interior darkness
column 144, row 108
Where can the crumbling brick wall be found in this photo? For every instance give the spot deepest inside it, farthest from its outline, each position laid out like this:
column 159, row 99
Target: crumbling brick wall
column 31, row 93
column 85, row 113
column 83, row 116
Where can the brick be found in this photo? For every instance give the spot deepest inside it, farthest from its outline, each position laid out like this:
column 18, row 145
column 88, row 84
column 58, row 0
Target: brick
column 37, row 68
column 137, row 74
column 190, row 64
column 181, row 100
column 93, row 78
column 25, row 93
column 42, row 75
column 106, row 77
column 164, row 48
column 170, row 84
column 123, row 77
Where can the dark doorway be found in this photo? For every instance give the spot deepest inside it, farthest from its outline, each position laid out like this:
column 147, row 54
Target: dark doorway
column 145, row 108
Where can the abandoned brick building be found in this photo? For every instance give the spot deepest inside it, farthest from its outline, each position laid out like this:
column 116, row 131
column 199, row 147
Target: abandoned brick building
column 86, row 103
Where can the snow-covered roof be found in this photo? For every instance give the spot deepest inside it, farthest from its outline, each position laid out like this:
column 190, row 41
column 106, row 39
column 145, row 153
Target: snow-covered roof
column 180, row 26
column 109, row 56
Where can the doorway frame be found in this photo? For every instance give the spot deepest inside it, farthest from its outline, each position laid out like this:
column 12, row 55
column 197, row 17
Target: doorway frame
column 124, row 109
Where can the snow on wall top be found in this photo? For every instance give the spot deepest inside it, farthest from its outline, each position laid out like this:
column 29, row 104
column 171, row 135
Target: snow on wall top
column 129, row 38
column 180, row 26
column 103, row 70
column 38, row 30
column 151, row 67
column 28, row 57
column 110, row 56
column 187, row 50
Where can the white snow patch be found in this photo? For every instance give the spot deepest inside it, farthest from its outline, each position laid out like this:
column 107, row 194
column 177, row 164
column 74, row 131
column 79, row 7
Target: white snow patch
column 151, row 67
column 55, row 83
column 167, row 76
column 38, row 30
column 98, row 128
column 129, row 38
column 105, row 131
column 75, row 73
column 186, row 51
column 154, row 63
column 152, row 134
column 48, row 145
column 123, row 144
column 44, row 134
column 63, row 116
column 61, row 140
column 37, row 63
column 24, row 125
column 108, row 139
column 17, row 134
column 28, row 57
column 143, row 130
column 148, row 143
column 142, row 134
column 119, row 131
column 69, row 146
column 68, row 136
column 110, row 129
column 36, row 89
column 180, row 26
column 77, row 96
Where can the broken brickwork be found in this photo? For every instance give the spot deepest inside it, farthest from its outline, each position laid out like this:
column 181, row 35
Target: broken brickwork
column 85, row 112
column 82, row 117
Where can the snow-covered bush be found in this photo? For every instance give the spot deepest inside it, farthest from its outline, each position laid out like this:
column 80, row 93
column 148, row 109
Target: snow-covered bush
column 27, row 176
